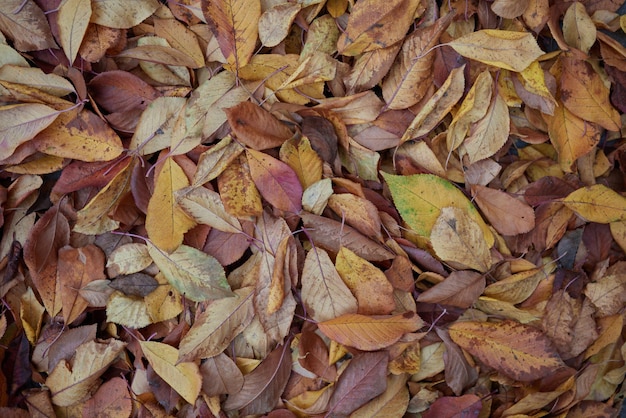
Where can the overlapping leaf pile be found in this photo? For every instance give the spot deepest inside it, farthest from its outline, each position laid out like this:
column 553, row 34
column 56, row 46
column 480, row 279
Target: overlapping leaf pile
column 312, row 208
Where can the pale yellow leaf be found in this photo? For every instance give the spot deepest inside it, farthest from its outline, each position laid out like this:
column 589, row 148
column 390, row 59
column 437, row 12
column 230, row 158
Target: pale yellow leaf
column 579, row 30
column 72, row 19
column 458, row 240
column 215, row 328
column 324, row 293
column 71, row 382
column 122, row 14
column 488, row 134
column 129, row 311
column 501, row 48
column 205, row 207
column 20, row 123
column 275, row 23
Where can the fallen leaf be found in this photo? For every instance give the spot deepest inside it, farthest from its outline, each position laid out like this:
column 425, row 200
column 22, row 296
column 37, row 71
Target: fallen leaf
column 420, row 199
column 263, row 386
column 166, row 222
column 72, row 19
column 21, row 122
column 515, row 50
column 196, row 275
column 508, row 215
column 184, row 378
column 120, row 14
column 362, row 380
column 373, row 292
column 370, row 333
column 216, row 327
column 70, row 382
column 324, row 293
column 26, row 24
column 458, row 240
column 390, row 25
column 235, row 25
column 519, row 351
column 597, row 203
column 256, row 127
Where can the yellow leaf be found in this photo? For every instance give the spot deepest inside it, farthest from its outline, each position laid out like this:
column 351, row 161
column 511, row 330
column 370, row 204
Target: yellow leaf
column 438, row 106
column 166, row 222
column 240, row 196
column 516, row 288
column 358, row 212
column 20, row 123
column 473, row 109
column 205, row 207
column 163, row 303
column 184, row 378
column 47, row 82
column 298, row 154
column 410, row 76
column 80, row 135
column 180, row 37
column 419, row 199
column 317, row 67
column 235, row 25
column 71, row 382
column 519, row 351
column 501, row 48
column 458, row 240
column 597, row 203
column 370, row 333
column 129, row 311
column 73, row 18
column 571, row 136
column 156, row 125
column 374, row 24
column 215, row 160
column 31, row 315
column 127, row 259
column 367, row 282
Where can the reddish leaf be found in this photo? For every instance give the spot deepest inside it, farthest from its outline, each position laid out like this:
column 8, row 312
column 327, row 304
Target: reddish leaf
column 362, row 380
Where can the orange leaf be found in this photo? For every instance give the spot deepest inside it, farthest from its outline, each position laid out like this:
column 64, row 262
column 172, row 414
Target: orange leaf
column 256, row 127
column 519, row 351
column 585, row 95
column 508, row 215
column 370, row 333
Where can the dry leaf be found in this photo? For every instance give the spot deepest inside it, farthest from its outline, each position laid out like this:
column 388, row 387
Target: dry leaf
column 184, row 378
column 513, row 50
column 518, row 351
column 166, row 222
column 369, row 333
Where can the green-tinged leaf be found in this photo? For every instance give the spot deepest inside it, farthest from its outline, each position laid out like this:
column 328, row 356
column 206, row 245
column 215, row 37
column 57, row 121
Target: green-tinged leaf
column 196, row 275
column 420, row 198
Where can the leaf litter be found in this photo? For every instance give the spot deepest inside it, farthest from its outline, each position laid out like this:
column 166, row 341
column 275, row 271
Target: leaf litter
column 312, row 208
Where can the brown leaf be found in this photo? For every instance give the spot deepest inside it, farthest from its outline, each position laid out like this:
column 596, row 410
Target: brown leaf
column 362, row 380
column 452, row 407
column 460, row 288
column 391, row 22
column 220, row 376
column 263, row 386
column 332, row 235
column 49, row 234
column 26, row 24
column 509, row 216
column 256, row 127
